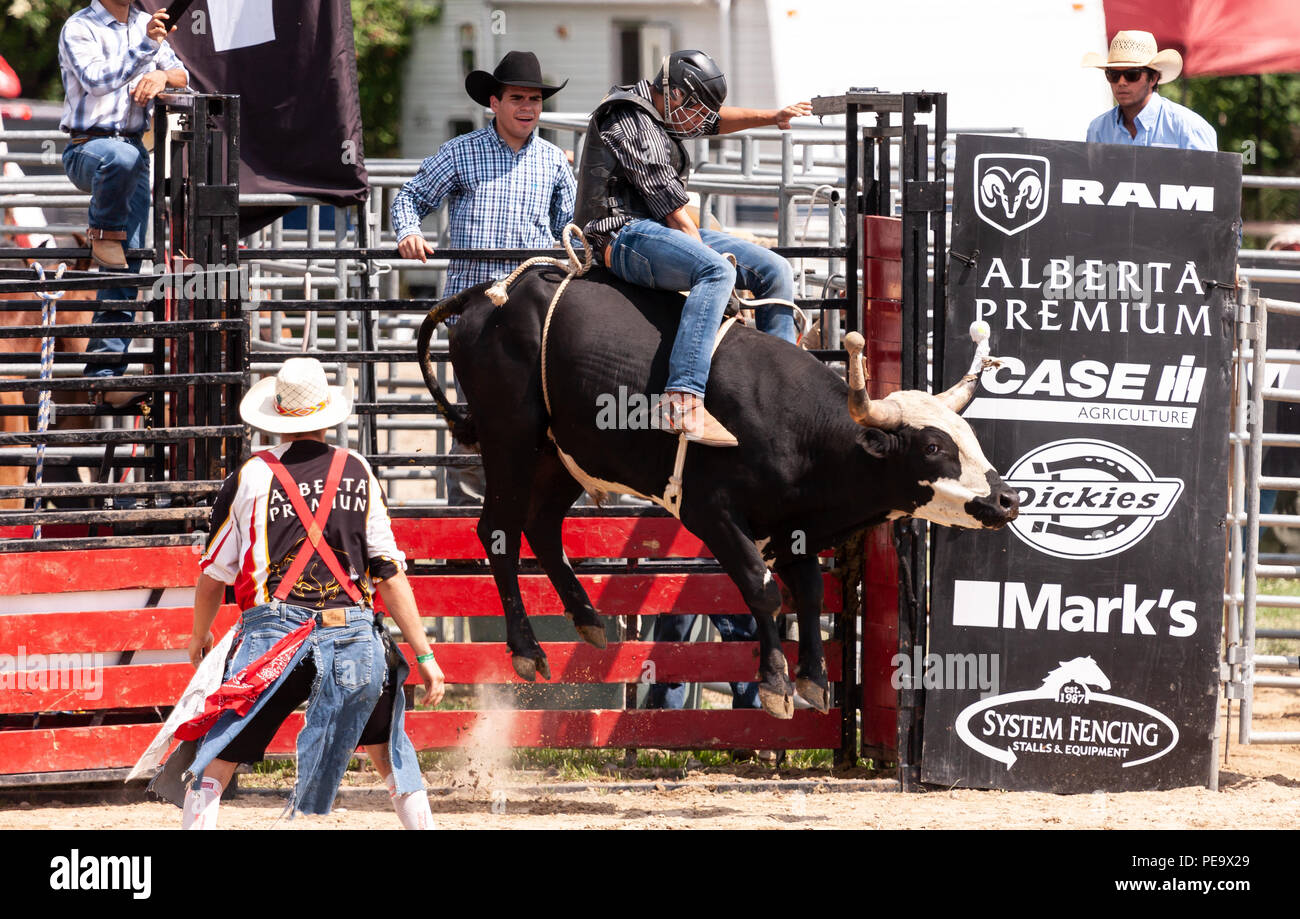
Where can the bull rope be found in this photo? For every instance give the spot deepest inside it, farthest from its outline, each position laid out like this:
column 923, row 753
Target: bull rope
column 46, row 398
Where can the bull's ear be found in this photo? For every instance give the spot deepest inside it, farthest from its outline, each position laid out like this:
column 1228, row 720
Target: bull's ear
column 875, row 442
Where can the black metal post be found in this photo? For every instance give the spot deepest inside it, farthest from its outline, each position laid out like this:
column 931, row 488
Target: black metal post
column 368, row 338
column 852, row 210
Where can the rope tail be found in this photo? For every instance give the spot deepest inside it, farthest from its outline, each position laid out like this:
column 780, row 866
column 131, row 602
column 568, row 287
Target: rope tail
column 459, row 423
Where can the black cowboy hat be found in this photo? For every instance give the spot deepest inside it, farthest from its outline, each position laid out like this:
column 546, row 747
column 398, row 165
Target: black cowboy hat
column 517, row 68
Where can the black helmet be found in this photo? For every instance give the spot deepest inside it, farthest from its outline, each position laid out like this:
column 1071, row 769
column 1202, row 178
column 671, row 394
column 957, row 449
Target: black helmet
column 702, row 85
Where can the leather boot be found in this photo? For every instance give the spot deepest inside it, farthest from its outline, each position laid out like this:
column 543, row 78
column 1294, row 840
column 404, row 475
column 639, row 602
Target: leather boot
column 685, row 413
column 106, row 247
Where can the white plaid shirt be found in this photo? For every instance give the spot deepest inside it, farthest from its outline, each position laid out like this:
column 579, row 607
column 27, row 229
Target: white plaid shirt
column 102, row 60
column 497, row 199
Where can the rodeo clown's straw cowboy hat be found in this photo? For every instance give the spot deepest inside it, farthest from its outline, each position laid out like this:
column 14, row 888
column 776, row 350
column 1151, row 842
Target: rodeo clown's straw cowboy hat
column 1137, row 49
column 296, row 400
column 517, row 68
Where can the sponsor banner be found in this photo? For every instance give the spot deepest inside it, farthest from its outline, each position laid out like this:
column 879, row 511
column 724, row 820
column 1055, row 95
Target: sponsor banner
column 1102, row 272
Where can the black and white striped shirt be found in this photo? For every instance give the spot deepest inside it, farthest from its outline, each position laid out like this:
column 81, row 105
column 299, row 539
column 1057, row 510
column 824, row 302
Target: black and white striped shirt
column 645, row 153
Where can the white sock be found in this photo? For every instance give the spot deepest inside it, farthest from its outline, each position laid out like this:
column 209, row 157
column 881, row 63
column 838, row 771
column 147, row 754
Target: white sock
column 200, row 811
column 412, row 808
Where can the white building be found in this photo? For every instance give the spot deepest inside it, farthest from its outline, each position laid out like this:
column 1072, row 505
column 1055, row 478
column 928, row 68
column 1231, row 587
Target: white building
column 1003, row 63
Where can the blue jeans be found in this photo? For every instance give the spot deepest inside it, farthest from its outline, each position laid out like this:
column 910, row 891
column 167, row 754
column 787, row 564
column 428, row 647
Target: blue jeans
column 116, row 173
column 678, row 628
column 350, row 676
column 650, row 254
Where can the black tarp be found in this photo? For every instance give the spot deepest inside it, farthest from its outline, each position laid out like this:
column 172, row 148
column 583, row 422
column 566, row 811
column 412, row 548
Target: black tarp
column 293, row 65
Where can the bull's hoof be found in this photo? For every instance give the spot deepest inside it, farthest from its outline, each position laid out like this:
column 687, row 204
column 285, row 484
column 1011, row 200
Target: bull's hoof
column 529, row 667
column 593, row 635
column 776, row 704
column 816, row 695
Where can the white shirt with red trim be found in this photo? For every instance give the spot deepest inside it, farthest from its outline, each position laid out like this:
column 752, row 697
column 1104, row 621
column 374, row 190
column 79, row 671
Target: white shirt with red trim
column 255, row 533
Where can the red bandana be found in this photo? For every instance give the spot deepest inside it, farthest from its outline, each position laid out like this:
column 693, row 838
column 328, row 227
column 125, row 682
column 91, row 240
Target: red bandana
column 243, row 689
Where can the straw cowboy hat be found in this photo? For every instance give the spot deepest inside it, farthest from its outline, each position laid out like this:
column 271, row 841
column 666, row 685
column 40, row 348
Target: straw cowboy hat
column 517, row 68
column 1137, row 49
column 295, row 400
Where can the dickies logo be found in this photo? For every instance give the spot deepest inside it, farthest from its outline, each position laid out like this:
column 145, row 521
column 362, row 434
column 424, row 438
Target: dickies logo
column 1011, row 190
column 1087, row 499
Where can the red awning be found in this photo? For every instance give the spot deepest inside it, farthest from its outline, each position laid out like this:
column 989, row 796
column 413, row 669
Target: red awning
column 1217, row 37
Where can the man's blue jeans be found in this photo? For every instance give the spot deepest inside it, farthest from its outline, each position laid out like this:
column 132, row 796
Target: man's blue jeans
column 678, row 628
column 116, row 173
column 650, row 254
column 350, row 673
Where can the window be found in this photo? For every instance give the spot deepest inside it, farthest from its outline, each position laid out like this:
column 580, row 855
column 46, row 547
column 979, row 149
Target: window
column 467, row 56
column 641, row 49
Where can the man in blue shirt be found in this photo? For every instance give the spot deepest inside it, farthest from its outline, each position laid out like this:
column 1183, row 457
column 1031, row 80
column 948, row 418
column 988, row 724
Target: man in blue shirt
column 114, row 60
column 1142, row 117
column 505, row 188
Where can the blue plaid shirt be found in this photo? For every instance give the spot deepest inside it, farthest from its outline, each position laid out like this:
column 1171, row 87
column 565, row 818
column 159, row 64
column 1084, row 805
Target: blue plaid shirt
column 498, row 199
column 102, row 60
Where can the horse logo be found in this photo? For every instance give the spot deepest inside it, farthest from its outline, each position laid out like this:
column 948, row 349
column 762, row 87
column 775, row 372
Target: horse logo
column 1070, row 681
column 1011, row 190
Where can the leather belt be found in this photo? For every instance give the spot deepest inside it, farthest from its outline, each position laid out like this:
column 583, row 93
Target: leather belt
column 81, row 137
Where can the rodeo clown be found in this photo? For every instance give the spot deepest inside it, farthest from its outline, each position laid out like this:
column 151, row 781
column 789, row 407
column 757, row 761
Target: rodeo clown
column 302, row 532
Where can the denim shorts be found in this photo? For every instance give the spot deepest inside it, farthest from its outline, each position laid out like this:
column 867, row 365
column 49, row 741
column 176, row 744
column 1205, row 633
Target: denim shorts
column 351, row 671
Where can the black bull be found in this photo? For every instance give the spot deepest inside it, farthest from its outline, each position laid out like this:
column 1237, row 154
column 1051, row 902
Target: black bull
column 805, row 475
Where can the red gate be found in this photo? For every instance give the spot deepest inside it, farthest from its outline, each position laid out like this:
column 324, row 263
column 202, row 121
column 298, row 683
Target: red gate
column 55, row 726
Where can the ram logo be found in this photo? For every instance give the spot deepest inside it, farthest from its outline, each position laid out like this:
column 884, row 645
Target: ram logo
column 1011, row 190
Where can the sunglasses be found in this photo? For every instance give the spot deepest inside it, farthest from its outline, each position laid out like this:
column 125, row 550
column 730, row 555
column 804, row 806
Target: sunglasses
column 1132, row 76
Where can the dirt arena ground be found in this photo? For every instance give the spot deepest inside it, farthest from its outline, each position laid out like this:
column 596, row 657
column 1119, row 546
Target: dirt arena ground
column 1259, row 787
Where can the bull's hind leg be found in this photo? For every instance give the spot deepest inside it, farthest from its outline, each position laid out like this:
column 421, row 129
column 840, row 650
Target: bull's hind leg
column 804, row 578
column 554, row 492
column 735, row 552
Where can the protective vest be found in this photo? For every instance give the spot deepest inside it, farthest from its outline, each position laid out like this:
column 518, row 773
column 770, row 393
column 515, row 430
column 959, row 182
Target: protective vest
column 603, row 189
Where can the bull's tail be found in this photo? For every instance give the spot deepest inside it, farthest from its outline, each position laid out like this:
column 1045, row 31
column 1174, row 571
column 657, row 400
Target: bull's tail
column 461, row 424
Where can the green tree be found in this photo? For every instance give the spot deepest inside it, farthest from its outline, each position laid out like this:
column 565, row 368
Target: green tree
column 29, row 41
column 381, row 29
column 1257, row 116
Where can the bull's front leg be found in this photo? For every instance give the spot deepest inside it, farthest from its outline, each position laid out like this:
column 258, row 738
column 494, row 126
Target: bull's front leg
column 804, row 578
column 500, row 535
column 735, row 551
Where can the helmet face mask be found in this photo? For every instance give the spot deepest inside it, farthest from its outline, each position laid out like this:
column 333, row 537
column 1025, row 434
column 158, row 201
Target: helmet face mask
column 693, row 89
column 688, row 116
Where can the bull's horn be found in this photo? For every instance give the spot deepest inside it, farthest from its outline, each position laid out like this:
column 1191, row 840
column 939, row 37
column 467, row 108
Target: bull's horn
column 961, row 393
column 865, row 412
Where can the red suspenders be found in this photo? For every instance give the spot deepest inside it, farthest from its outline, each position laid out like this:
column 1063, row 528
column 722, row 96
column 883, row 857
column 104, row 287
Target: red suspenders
column 315, row 526
column 240, row 692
